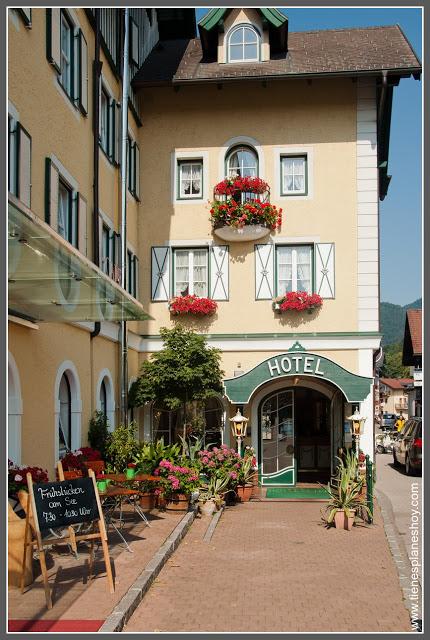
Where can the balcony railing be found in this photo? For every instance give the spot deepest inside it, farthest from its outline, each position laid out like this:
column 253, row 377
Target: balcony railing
column 242, row 196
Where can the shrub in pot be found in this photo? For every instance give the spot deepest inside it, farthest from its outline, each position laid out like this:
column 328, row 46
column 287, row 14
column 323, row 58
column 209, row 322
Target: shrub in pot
column 98, row 432
column 210, row 495
column 176, row 483
column 346, row 500
column 121, row 447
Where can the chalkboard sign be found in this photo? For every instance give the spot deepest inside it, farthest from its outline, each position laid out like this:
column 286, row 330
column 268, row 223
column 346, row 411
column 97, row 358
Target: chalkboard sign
column 60, row 504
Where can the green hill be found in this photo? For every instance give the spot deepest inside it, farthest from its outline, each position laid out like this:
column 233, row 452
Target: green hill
column 393, row 320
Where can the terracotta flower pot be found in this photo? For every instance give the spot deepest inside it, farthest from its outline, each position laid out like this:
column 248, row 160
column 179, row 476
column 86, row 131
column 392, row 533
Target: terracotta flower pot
column 244, row 493
column 178, row 502
column 147, row 501
column 339, row 519
column 349, row 521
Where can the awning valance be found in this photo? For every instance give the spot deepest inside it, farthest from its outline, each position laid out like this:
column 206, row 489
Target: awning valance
column 240, row 389
column 51, row 280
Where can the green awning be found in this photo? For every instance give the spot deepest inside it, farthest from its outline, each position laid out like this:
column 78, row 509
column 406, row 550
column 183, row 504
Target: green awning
column 51, row 280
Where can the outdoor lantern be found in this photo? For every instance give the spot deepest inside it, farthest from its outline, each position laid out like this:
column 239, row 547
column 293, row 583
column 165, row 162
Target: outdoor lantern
column 357, row 422
column 238, row 428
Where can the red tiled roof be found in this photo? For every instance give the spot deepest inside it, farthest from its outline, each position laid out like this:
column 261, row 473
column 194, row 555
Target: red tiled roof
column 414, row 317
column 396, row 383
column 309, row 53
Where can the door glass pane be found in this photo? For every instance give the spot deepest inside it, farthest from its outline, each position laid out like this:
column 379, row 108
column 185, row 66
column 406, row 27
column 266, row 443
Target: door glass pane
column 277, row 432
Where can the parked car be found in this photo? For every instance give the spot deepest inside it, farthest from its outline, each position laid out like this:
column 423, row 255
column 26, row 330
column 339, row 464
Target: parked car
column 388, row 420
column 407, row 448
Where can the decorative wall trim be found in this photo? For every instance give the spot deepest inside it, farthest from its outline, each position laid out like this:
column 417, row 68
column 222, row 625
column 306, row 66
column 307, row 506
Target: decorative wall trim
column 367, row 207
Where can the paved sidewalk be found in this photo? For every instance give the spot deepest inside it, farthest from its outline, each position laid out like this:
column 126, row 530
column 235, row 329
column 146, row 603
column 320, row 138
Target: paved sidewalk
column 272, row 566
column 75, row 598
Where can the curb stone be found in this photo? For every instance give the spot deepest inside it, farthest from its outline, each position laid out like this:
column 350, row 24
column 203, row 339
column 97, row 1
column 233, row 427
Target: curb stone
column 212, row 525
column 130, row 601
column 397, row 548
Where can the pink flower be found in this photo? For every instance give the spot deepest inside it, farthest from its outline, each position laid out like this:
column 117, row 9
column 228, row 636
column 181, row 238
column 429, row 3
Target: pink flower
column 211, row 464
column 233, row 475
column 205, row 460
column 18, row 478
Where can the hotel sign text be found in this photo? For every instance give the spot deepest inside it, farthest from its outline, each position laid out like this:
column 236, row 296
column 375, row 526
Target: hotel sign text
column 301, row 363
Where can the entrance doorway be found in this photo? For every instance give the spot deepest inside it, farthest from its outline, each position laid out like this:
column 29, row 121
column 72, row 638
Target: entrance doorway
column 299, row 428
column 313, row 442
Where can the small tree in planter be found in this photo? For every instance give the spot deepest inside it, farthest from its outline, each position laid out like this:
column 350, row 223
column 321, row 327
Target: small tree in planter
column 121, row 447
column 184, row 371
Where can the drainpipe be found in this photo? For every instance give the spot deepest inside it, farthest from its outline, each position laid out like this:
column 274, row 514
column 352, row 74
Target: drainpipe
column 124, row 129
column 96, row 101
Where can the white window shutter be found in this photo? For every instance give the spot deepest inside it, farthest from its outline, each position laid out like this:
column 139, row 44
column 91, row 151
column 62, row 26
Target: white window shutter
column 160, row 274
column 51, row 194
column 134, row 42
column 53, row 37
column 83, row 73
column 82, row 224
column 264, row 271
column 219, row 265
column 24, row 165
column 324, row 269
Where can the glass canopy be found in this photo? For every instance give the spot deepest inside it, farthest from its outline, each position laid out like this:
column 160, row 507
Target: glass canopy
column 50, row 280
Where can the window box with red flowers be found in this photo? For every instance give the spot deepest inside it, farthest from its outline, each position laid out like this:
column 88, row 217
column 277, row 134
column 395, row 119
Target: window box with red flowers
column 297, row 301
column 192, row 305
column 241, row 209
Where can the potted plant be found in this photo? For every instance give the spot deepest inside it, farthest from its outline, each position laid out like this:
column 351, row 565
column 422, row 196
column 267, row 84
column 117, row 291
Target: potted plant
column 147, row 495
column 345, row 499
column 176, row 483
column 297, row 301
column 246, row 473
column 17, row 481
column 121, row 447
column 210, row 495
column 241, row 209
column 192, row 305
column 130, row 471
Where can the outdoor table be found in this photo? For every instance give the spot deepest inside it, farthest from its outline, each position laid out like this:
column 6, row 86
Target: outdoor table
column 115, row 496
column 121, row 477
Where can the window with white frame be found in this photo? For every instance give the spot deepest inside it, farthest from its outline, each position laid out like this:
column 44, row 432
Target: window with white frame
column 243, row 44
column 294, row 175
column 190, row 272
column 66, row 46
column 294, row 267
column 242, row 161
column 67, row 218
column 190, row 179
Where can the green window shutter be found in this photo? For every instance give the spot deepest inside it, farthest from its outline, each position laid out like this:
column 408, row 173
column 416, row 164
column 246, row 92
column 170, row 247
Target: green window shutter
column 25, row 13
column 160, row 274
column 117, row 258
column 264, row 271
column 136, row 277
column 53, row 37
column 117, row 139
column 219, row 264
column 51, row 194
column 136, row 170
column 112, row 129
column 24, row 165
column 82, row 73
column 82, row 224
column 324, row 270
column 134, row 42
column 74, row 239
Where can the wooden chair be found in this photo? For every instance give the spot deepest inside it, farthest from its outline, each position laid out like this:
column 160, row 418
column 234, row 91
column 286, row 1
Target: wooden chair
column 67, row 475
column 98, row 466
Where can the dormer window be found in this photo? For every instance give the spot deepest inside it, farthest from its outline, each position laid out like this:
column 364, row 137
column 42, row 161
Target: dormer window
column 244, row 44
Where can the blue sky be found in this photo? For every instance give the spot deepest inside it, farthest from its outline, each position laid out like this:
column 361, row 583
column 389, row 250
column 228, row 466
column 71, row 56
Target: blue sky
column 400, row 212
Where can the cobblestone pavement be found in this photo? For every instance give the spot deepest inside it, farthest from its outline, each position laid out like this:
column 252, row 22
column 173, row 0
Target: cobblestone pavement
column 272, row 566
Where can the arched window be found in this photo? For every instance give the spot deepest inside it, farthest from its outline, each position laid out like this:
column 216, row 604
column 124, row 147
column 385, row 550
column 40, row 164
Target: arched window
column 242, row 161
column 103, row 398
column 65, row 416
column 244, row 44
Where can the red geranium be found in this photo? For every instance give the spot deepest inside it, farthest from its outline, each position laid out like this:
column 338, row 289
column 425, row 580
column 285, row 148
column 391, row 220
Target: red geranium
column 17, row 477
column 246, row 184
column 244, row 201
column 181, row 305
column 298, row 301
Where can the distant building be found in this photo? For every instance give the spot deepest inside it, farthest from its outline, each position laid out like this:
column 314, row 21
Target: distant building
column 412, row 356
column 393, row 395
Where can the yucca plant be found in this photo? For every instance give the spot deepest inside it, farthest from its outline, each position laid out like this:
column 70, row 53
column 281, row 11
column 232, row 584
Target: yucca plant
column 213, row 489
column 344, row 490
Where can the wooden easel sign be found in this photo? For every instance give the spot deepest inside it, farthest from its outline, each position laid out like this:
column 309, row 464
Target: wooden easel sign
column 63, row 504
